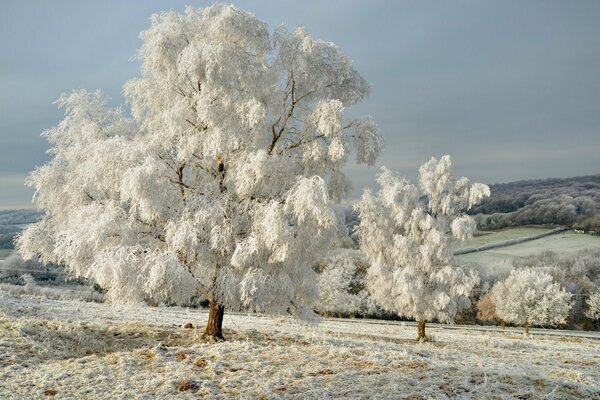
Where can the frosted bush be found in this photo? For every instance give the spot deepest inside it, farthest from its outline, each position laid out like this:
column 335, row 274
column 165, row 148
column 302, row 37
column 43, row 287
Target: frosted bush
column 342, row 285
column 530, row 297
column 593, row 305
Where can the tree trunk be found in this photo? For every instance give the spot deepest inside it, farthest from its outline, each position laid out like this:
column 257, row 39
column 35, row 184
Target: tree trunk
column 214, row 325
column 526, row 328
column 421, row 329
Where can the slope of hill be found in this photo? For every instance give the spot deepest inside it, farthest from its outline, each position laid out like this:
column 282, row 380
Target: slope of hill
column 12, row 222
column 574, row 202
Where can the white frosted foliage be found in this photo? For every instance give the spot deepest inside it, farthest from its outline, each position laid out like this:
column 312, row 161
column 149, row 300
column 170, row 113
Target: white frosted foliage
column 221, row 182
column 530, row 297
column 342, row 285
column 593, row 305
column 408, row 240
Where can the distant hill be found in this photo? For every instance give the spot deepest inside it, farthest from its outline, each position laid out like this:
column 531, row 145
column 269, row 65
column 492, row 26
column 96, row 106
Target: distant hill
column 12, row 222
column 14, row 217
column 574, row 202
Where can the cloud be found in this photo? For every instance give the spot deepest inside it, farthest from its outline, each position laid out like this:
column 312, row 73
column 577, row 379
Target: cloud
column 13, row 193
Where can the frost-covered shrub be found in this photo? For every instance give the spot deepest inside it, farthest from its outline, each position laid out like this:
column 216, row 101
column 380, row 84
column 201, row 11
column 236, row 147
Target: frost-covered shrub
column 530, row 297
column 342, row 290
column 28, row 280
column 29, row 277
column 593, row 306
column 351, row 220
column 483, row 308
column 489, row 275
column 14, row 267
column 578, row 273
column 70, row 291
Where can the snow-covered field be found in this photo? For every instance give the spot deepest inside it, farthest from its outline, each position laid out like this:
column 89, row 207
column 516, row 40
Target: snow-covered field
column 562, row 243
column 75, row 350
column 488, row 237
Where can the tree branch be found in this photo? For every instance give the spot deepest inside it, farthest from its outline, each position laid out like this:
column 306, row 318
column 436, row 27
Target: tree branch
column 277, row 135
column 201, row 128
column 222, row 171
column 183, row 186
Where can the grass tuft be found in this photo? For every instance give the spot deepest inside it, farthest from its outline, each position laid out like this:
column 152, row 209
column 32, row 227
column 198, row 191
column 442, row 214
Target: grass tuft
column 181, row 355
column 185, row 385
column 201, row 363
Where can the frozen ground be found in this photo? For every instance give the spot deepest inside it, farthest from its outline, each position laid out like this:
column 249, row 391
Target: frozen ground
column 75, row 350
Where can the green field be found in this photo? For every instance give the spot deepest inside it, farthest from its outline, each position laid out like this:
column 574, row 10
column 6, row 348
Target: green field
column 561, row 243
column 5, row 253
column 488, row 237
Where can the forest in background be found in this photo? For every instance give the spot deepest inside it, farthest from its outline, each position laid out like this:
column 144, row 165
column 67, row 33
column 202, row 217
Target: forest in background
column 572, row 202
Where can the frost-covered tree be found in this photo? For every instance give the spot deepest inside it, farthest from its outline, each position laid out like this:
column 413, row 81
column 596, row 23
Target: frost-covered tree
column 530, row 297
column 220, row 184
column 408, row 233
column 593, row 305
column 578, row 273
column 342, row 286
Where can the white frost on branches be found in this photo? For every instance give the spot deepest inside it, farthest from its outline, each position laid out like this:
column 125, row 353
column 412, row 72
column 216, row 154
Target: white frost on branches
column 342, row 286
column 593, row 305
column 530, row 297
column 408, row 241
column 220, row 184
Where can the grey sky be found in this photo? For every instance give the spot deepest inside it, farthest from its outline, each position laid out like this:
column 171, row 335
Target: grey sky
column 511, row 89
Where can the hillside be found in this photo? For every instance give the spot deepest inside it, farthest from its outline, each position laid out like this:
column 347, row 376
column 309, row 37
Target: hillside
column 11, row 223
column 573, row 202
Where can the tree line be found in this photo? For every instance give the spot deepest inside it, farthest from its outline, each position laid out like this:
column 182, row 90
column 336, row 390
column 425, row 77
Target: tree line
column 573, row 202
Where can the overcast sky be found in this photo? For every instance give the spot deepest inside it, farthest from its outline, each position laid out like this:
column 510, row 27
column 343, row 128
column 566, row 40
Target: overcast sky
column 510, row 89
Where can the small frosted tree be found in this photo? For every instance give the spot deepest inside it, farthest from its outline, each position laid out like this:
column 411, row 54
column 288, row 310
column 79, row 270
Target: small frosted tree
column 593, row 305
column 530, row 297
column 220, row 185
column 408, row 234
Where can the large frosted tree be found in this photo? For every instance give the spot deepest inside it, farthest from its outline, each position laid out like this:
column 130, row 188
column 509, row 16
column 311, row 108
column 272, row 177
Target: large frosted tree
column 220, row 184
column 408, row 235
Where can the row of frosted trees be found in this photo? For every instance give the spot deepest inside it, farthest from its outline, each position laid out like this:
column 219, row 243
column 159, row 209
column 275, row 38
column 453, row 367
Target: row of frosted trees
column 526, row 297
column 223, row 181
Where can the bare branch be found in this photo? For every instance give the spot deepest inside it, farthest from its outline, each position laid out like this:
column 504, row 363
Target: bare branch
column 201, row 128
column 302, row 142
